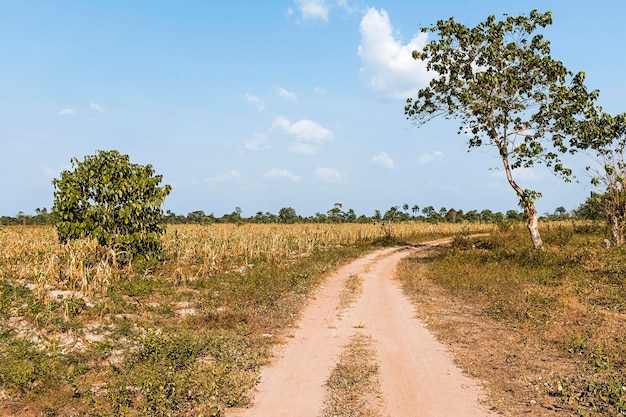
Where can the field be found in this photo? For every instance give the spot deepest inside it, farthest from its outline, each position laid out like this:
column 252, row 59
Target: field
column 83, row 336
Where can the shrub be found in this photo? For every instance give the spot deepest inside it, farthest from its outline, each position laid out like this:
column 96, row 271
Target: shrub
column 110, row 199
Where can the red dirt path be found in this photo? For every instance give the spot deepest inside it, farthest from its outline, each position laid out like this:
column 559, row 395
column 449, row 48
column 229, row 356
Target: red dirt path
column 417, row 374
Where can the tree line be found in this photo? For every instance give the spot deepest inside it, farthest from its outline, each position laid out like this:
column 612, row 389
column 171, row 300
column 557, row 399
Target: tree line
column 590, row 210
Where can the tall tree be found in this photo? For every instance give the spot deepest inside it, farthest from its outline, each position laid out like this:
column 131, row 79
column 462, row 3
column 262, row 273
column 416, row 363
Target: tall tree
column 499, row 80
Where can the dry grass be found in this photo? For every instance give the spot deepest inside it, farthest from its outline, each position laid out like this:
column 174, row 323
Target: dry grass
column 544, row 329
column 353, row 385
column 353, row 287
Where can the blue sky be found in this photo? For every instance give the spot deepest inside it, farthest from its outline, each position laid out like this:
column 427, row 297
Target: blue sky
column 267, row 104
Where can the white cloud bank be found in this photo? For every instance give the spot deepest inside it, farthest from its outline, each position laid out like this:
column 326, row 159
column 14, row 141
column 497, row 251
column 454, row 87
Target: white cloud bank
column 288, row 95
column 430, row 157
column 309, row 135
column 67, row 112
column 255, row 101
column 313, row 9
column 332, row 175
column 382, row 160
column 228, row 176
column 97, row 107
column 389, row 69
column 281, row 174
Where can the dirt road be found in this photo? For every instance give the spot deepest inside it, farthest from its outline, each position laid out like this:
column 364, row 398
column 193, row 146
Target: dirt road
column 416, row 373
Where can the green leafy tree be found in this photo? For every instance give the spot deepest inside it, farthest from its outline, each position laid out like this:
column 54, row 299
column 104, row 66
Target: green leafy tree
column 110, row 199
column 606, row 135
column 336, row 214
column 592, row 208
column 499, row 80
column 391, row 216
column 451, row 216
column 287, row 215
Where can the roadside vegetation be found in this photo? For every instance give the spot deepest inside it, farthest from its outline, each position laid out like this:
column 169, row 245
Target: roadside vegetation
column 545, row 329
column 83, row 335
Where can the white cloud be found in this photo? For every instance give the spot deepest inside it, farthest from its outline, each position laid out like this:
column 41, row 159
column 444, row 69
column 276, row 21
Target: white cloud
column 228, row 176
column 382, row 160
column 257, row 143
column 320, row 91
column 97, row 107
column 328, row 174
column 313, row 9
column 281, row 174
column 428, row 158
column 304, row 130
column 288, row 95
column 67, row 112
column 309, row 135
column 388, row 66
column 255, row 101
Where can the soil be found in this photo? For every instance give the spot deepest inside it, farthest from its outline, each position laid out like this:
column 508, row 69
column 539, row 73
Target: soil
column 417, row 374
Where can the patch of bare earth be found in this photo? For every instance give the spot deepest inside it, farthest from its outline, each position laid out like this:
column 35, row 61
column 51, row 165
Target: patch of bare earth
column 415, row 375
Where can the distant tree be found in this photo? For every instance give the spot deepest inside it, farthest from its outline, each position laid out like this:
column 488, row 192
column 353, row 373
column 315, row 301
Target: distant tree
column 234, row 217
column 451, row 216
column 500, row 81
column 390, row 217
column 320, row 218
column 591, row 209
column 287, row 215
column 431, row 214
column 22, row 217
column 112, row 200
column 363, row 219
column 197, row 217
column 336, row 214
column 472, row 216
column 415, row 209
column 41, row 217
column 377, row 216
column 560, row 213
column 514, row 216
column 350, row 216
column 606, row 135
column 487, row 216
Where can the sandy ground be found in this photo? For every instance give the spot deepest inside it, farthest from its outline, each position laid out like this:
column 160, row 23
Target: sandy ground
column 417, row 374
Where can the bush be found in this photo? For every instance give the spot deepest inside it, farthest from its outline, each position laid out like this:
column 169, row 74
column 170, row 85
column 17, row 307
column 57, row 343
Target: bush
column 110, row 199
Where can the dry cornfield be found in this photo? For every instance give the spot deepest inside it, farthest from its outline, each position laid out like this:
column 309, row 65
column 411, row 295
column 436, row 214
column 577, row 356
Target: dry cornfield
column 33, row 255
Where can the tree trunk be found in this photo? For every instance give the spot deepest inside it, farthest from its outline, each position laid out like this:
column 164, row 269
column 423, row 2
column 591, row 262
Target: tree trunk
column 526, row 201
column 616, row 230
column 533, row 224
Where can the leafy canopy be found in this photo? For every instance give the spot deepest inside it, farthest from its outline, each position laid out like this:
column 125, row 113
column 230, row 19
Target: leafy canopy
column 500, row 81
column 108, row 198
